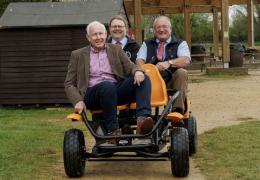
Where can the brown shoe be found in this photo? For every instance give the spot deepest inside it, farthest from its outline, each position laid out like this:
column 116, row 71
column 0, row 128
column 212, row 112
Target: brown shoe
column 116, row 132
column 112, row 142
column 144, row 125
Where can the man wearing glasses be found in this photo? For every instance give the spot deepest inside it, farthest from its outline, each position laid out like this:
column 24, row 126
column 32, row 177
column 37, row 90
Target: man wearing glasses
column 170, row 55
column 118, row 28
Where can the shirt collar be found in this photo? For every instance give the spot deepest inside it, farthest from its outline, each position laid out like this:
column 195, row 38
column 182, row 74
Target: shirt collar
column 93, row 50
column 167, row 41
column 123, row 42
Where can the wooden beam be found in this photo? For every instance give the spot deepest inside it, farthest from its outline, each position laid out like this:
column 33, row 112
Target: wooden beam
column 157, row 10
column 215, row 31
column 172, row 9
column 187, row 27
column 159, row 4
column 138, row 21
column 202, row 8
column 250, row 23
column 225, row 33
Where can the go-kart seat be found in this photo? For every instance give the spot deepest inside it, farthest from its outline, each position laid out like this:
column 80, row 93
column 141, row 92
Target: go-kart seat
column 159, row 95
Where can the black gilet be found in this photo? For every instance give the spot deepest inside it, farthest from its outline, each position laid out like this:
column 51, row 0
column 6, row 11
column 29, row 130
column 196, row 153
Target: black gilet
column 170, row 51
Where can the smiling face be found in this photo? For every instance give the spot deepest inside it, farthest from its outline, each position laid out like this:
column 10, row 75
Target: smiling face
column 117, row 29
column 97, row 36
column 162, row 28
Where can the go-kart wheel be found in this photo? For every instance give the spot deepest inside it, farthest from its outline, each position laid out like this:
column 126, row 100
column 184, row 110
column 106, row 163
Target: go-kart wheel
column 179, row 152
column 191, row 126
column 74, row 153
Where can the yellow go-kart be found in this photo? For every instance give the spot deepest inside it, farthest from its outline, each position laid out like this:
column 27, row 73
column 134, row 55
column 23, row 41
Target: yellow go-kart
column 173, row 137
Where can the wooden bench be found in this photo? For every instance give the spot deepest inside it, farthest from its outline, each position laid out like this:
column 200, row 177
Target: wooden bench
column 206, row 59
column 252, row 56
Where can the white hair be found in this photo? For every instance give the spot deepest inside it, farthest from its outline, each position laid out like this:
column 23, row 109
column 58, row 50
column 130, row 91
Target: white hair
column 162, row 17
column 94, row 23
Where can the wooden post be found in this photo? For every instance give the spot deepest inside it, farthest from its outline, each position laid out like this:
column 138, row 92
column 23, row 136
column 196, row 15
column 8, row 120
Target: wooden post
column 225, row 33
column 187, row 27
column 215, row 31
column 250, row 23
column 138, row 21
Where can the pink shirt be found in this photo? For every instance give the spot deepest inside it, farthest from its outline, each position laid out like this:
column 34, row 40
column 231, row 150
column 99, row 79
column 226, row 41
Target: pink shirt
column 100, row 69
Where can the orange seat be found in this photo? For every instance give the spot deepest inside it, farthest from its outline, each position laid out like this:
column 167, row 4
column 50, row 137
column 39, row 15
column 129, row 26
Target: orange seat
column 187, row 112
column 119, row 108
column 159, row 95
column 74, row 116
column 158, row 92
column 175, row 117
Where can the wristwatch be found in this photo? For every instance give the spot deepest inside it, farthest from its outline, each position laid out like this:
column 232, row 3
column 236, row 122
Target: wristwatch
column 171, row 62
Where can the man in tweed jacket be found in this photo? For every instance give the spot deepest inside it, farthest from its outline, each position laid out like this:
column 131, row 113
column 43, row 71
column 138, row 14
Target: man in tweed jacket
column 101, row 76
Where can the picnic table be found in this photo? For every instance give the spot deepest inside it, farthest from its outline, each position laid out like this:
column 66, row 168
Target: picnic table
column 207, row 58
column 251, row 52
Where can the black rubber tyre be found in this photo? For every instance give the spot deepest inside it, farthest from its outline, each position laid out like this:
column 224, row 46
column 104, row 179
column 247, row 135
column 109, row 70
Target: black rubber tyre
column 191, row 126
column 192, row 130
column 179, row 152
column 74, row 153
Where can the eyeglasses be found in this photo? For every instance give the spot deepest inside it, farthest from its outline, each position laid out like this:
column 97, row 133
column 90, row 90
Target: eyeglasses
column 117, row 26
column 163, row 27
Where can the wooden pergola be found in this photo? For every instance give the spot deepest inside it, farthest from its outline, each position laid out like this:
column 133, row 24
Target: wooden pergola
column 137, row 8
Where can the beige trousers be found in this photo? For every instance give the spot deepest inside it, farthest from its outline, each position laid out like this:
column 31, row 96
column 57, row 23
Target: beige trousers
column 179, row 82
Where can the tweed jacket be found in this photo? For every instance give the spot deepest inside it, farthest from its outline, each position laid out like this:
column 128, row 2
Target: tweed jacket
column 77, row 78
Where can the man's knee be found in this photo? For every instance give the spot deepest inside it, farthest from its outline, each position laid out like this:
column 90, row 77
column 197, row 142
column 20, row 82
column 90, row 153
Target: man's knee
column 146, row 84
column 107, row 86
column 147, row 80
column 181, row 73
column 179, row 78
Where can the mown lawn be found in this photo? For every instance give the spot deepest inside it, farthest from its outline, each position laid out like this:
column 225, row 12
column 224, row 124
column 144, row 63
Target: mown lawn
column 31, row 141
column 231, row 152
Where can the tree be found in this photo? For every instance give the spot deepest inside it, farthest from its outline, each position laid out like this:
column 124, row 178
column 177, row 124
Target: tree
column 201, row 28
column 238, row 28
column 177, row 21
column 257, row 22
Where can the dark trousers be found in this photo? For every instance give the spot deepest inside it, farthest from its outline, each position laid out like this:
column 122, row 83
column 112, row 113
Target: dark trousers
column 107, row 95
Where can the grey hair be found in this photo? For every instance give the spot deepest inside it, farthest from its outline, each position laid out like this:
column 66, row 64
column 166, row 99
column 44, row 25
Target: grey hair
column 93, row 24
column 162, row 17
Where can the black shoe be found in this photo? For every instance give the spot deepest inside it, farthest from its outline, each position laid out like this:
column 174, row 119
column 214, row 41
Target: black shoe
column 126, row 129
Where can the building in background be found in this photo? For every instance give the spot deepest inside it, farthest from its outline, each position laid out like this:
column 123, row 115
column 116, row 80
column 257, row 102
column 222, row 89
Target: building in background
column 36, row 40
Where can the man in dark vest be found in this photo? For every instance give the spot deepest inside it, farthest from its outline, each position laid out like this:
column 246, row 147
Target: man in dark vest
column 118, row 29
column 170, row 55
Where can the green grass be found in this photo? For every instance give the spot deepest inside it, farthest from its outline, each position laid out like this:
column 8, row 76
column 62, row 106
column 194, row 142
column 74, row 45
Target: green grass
column 230, row 153
column 30, row 141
